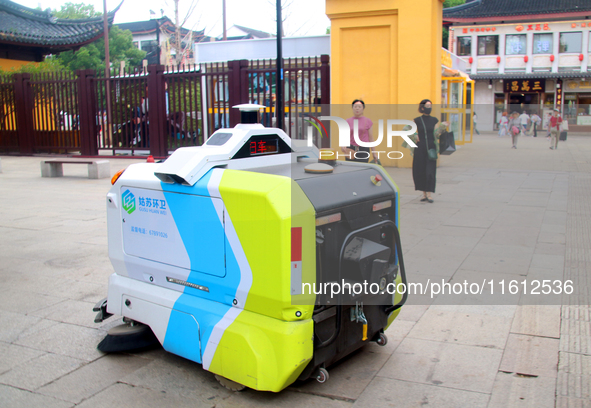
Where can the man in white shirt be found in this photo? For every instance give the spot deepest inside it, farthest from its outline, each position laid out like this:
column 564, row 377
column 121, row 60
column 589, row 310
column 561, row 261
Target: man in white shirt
column 523, row 119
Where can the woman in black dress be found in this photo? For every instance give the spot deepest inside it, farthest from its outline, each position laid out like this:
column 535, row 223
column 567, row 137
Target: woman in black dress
column 423, row 168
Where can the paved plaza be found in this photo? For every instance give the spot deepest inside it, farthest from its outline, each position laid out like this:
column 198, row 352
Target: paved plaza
column 499, row 214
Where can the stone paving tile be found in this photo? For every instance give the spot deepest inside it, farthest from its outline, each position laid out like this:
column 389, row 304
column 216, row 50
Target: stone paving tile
column 12, row 355
column 515, row 391
column 21, row 302
column 140, row 397
column 524, row 216
column 39, row 371
column 517, row 236
column 386, row 392
column 412, row 312
column 67, row 340
column 495, row 265
column 468, row 328
column 16, row 398
column 552, row 237
column 553, row 228
column 548, row 261
column 537, row 320
column 472, row 217
column 456, row 366
column 549, row 248
column 530, row 355
column 93, row 377
column 17, row 325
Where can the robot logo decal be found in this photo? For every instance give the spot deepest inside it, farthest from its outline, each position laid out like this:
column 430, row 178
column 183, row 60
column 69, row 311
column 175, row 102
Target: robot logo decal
column 128, row 200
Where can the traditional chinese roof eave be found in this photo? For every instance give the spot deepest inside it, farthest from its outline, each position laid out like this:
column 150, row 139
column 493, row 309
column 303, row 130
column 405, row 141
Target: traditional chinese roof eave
column 33, row 29
column 516, row 18
column 531, row 75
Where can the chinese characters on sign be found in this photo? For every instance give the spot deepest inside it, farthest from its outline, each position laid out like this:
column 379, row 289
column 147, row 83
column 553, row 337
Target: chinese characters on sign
column 152, row 203
column 259, row 147
column 534, row 27
column 525, row 85
column 478, row 30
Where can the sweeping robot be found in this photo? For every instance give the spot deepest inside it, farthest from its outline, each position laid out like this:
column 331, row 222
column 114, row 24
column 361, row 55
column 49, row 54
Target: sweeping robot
column 247, row 255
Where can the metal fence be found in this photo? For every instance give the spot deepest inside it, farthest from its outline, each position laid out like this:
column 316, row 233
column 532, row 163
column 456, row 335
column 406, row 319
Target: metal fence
column 153, row 110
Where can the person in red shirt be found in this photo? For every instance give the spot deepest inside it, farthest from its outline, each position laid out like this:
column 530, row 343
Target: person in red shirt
column 554, row 124
column 365, row 135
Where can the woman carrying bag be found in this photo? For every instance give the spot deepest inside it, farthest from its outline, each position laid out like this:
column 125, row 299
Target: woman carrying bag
column 424, row 163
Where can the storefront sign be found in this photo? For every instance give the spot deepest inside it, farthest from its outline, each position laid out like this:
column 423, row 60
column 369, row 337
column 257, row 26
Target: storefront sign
column 578, row 85
column 525, row 85
column 478, row 29
column 532, row 27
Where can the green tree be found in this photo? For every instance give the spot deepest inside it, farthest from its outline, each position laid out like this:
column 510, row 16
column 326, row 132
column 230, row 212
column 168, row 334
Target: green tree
column 74, row 11
column 445, row 33
column 92, row 56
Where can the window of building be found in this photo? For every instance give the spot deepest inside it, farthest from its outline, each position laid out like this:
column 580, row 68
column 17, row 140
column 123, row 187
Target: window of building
column 515, row 44
column 488, row 45
column 542, row 44
column 570, row 42
column 464, row 46
column 151, row 48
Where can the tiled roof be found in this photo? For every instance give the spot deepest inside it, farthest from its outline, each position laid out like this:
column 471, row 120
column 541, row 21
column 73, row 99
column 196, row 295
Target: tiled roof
column 523, row 75
column 504, row 8
column 143, row 27
column 24, row 26
column 253, row 32
column 150, row 26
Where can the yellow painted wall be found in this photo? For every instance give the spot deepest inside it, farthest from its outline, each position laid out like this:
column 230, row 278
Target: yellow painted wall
column 388, row 53
column 8, row 64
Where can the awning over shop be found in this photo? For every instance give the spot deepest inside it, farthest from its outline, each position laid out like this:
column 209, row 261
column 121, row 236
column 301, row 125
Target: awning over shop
column 531, row 75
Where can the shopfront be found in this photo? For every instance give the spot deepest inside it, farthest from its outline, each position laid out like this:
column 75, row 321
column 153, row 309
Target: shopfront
column 457, row 97
column 577, row 101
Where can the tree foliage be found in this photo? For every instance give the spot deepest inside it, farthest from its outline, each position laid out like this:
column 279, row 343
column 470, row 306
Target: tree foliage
column 92, row 56
column 445, row 33
column 74, row 11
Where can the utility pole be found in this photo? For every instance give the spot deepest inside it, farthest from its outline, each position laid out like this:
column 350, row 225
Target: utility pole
column 224, row 18
column 107, row 68
column 279, row 74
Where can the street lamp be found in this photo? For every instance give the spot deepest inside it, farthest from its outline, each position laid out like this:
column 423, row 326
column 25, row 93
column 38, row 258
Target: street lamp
column 279, row 73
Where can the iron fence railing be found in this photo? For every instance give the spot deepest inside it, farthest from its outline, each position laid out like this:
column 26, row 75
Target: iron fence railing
column 153, row 110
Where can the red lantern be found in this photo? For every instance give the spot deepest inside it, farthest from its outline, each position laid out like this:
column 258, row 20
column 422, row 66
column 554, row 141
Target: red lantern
column 470, row 60
column 552, row 58
column 498, row 59
column 525, row 58
column 580, row 57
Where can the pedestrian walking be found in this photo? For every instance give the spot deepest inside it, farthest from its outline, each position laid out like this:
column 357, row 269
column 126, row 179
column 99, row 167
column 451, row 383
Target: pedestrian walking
column 503, row 130
column 513, row 126
column 524, row 120
column 535, row 121
column 554, row 126
column 424, row 163
column 475, row 120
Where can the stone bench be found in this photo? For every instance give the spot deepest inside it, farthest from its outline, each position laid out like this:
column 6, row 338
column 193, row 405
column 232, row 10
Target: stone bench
column 97, row 169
